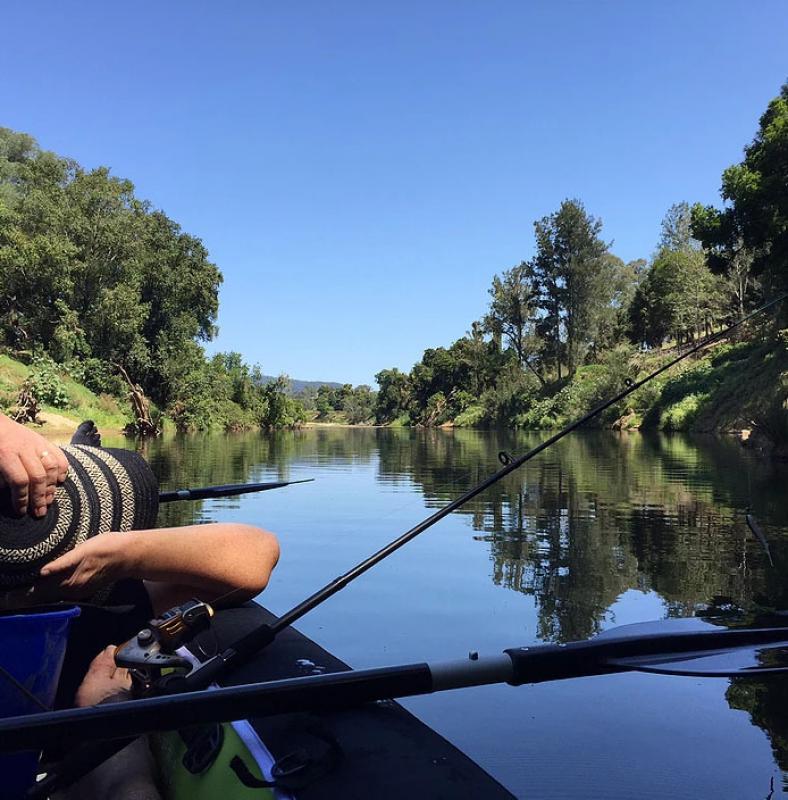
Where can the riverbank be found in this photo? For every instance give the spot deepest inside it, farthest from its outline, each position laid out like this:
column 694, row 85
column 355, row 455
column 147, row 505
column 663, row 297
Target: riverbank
column 730, row 388
column 75, row 402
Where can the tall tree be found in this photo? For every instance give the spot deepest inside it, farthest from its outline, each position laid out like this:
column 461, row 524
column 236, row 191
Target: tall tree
column 513, row 314
column 393, row 397
column 614, row 319
column 676, row 233
column 570, row 269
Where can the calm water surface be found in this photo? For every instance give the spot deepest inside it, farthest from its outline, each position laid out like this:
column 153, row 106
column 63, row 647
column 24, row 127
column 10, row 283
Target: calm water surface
column 601, row 530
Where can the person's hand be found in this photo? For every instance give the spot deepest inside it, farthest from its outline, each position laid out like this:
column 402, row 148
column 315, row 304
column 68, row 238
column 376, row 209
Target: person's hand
column 30, row 467
column 103, row 680
column 89, row 566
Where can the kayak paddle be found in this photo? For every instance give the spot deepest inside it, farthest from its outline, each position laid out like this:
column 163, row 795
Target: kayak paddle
column 743, row 652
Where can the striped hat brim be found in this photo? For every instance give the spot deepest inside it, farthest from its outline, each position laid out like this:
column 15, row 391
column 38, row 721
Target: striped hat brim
column 106, row 490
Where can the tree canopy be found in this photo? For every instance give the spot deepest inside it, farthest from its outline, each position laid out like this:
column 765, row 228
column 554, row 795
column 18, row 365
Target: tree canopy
column 756, row 194
column 93, row 275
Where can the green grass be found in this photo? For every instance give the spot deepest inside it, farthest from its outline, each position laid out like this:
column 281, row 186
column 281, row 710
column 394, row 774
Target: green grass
column 727, row 389
column 106, row 411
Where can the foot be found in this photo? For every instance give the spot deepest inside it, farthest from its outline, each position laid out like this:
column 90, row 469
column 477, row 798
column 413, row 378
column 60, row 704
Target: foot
column 87, row 433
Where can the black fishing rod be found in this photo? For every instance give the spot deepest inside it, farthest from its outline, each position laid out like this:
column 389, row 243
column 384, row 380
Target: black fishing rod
column 719, row 653
column 226, row 490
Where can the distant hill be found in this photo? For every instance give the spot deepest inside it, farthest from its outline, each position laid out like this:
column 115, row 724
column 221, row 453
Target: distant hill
column 299, row 387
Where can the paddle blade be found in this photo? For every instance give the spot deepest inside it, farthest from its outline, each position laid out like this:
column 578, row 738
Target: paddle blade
column 738, row 662
column 734, row 661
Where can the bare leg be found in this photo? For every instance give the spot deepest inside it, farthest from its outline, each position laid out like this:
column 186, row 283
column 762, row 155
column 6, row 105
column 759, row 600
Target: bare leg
column 129, row 774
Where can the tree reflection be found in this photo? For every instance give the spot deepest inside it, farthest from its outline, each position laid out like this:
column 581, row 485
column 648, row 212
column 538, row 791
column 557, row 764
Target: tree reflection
column 208, row 459
column 598, row 514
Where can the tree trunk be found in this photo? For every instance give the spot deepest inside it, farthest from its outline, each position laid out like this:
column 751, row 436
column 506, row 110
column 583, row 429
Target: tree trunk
column 140, row 406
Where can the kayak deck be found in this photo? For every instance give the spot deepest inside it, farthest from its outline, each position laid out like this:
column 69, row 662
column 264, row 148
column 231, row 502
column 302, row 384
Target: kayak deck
column 384, row 751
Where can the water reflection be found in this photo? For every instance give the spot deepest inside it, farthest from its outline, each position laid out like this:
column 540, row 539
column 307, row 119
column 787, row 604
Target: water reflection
column 578, row 529
column 602, row 513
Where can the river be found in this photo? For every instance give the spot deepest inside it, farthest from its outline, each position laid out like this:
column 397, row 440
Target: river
column 603, row 529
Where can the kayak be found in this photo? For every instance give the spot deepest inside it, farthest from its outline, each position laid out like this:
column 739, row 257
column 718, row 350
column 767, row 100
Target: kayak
column 316, row 728
column 376, row 750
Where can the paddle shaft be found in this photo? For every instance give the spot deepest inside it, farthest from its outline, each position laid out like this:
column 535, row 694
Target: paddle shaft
column 328, row 692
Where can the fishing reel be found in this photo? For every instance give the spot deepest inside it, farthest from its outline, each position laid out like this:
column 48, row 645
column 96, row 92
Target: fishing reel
column 153, row 649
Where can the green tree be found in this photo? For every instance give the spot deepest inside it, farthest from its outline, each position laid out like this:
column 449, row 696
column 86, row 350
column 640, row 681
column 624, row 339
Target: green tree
column 756, row 196
column 676, row 233
column 679, row 297
column 359, row 406
column 393, row 397
column 570, row 268
column 90, row 271
column 614, row 318
column 513, row 315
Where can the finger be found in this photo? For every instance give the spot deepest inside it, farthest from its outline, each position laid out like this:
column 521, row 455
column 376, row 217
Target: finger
column 104, row 662
column 61, row 564
column 15, row 477
column 123, row 676
column 62, row 464
column 37, row 477
column 50, row 466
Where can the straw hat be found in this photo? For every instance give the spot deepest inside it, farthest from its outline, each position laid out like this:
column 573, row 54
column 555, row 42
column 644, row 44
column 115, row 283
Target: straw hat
column 106, row 490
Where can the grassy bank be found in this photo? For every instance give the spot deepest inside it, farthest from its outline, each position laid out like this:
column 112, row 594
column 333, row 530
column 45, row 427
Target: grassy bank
column 730, row 387
column 74, row 401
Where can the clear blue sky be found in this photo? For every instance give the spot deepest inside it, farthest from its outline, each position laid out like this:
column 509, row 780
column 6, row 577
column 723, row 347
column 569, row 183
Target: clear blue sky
column 359, row 171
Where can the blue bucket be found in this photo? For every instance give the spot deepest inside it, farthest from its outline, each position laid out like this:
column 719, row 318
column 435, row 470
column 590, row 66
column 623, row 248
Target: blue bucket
column 32, row 648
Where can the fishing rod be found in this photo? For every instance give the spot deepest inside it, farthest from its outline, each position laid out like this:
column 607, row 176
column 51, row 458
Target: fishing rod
column 726, row 653
column 255, row 640
column 226, row 490
column 204, row 675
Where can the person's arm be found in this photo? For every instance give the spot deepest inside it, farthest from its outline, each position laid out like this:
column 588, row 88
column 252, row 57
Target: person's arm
column 207, row 560
column 30, row 467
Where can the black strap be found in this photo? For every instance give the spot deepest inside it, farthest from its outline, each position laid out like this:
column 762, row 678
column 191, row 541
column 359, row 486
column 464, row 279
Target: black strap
column 317, row 755
column 202, row 746
column 246, row 777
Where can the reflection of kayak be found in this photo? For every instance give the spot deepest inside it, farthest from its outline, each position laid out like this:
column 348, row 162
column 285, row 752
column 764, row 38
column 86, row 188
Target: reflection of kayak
column 377, row 750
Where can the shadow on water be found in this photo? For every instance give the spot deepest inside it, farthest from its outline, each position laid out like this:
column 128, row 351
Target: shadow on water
column 594, row 517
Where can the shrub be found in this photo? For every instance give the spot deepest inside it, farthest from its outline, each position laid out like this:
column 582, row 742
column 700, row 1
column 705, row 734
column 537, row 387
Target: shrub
column 512, row 397
column 98, row 376
column 470, row 417
column 681, row 415
column 45, row 383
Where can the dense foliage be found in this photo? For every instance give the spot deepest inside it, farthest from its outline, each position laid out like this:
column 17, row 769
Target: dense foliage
column 753, row 226
column 97, row 282
column 567, row 327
